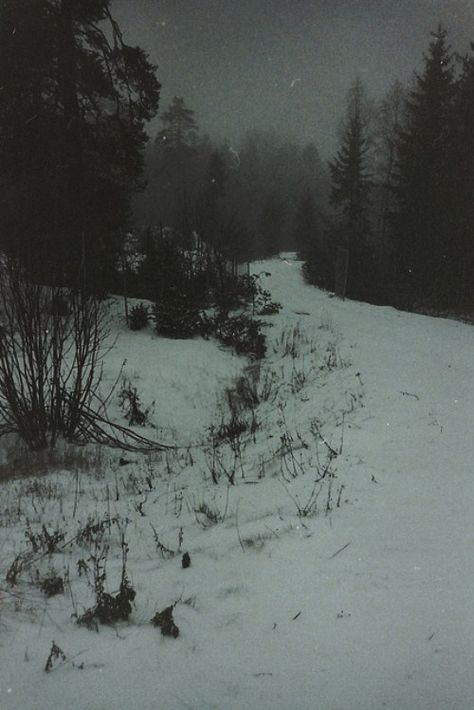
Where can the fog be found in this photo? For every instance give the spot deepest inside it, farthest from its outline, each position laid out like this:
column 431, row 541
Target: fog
column 285, row 64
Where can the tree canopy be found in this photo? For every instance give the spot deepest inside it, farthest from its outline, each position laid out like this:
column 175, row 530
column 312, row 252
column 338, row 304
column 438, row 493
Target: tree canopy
column 75, row 98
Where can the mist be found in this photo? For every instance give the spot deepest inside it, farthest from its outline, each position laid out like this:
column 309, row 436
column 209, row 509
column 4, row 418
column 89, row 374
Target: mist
column 283, row 64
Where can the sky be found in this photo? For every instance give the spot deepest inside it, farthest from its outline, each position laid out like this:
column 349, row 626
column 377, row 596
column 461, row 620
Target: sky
column 284, row 64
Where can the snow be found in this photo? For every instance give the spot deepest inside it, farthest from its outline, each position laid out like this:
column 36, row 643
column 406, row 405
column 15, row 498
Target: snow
column 367, row 604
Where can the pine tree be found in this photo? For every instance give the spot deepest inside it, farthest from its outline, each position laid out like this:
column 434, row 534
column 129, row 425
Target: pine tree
column 176, row 148
column 75, row 98
column 351, row 183
column 179, row 128
column 423, row 181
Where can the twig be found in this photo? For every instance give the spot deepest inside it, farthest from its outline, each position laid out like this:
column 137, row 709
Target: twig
column 340, row 550
column 237, row 525
column 259, row 675
column 410, row 394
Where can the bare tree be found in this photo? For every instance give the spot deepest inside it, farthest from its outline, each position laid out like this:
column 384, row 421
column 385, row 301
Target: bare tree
column 52, row 345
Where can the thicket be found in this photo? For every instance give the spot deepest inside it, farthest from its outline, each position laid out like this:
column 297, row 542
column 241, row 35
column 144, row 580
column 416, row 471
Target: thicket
column 52, row 345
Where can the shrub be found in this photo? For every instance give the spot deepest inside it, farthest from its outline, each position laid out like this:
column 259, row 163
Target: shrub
column 164, row 620
column 263, row 304
column 44, row 541
column 49, row 360
column 176, row 316
column 269, row 308
column 243, row 334
column 129, row 401
column 108, row 608
column 235, row 292
column 52, row 585
column 138, row 317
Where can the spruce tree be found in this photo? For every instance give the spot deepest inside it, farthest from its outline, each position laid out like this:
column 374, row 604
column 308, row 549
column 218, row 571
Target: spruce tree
column 179, row 127
column 424, row 185
column 351, row 183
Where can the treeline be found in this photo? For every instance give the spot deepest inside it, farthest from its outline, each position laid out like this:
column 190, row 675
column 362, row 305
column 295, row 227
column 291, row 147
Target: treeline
column 78, row 171
column 402, row 192
column 243, row 199
column 389, row 220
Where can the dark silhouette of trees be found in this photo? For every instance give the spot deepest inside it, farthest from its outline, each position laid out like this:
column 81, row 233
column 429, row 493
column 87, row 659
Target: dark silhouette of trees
column 424, row 181
column 351, row 183
column 306, row 228
column 271, row 224
column 463, row 184
column 175, row 156
column 389, row 123
column 75, row 98
column 310, row 243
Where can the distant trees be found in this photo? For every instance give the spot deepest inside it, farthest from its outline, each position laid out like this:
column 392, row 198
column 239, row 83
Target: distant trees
column 271, row 224
column 310, row 243
column 389, row 121
column 217, row 228
column 175, row 152
column 211, row 208
column 75, row 98
column 351, row 182
column 272, row 174
column 241, row 199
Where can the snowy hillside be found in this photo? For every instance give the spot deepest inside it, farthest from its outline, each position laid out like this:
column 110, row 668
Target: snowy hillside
column 328, row 518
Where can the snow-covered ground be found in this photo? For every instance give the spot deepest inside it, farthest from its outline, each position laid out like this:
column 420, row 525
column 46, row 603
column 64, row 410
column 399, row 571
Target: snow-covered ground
column 363, row 600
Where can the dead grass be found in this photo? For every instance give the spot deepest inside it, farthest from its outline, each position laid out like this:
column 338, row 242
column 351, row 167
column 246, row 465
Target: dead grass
column 20, row 462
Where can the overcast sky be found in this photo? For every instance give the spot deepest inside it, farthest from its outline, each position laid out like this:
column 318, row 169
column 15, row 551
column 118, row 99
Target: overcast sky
column 284, row 63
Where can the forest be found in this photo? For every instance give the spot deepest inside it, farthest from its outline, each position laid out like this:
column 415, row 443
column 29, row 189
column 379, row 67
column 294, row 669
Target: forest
column 85, row 189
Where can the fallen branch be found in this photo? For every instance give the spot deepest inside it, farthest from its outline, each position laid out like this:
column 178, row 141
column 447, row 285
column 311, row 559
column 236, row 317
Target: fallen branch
column 340, row 550
column 237, row 525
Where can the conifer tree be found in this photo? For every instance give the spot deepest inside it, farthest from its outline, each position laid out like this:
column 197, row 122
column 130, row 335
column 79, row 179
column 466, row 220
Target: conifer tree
column 389, row 124
column 351, row 183
column 463, row 184
column 308, row 239
column 75, row 98
column 424, row 186
column 176, row 148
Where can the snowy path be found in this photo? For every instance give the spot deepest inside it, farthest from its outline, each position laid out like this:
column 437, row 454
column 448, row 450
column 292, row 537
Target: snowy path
column 368, row 608
column 409, row 572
